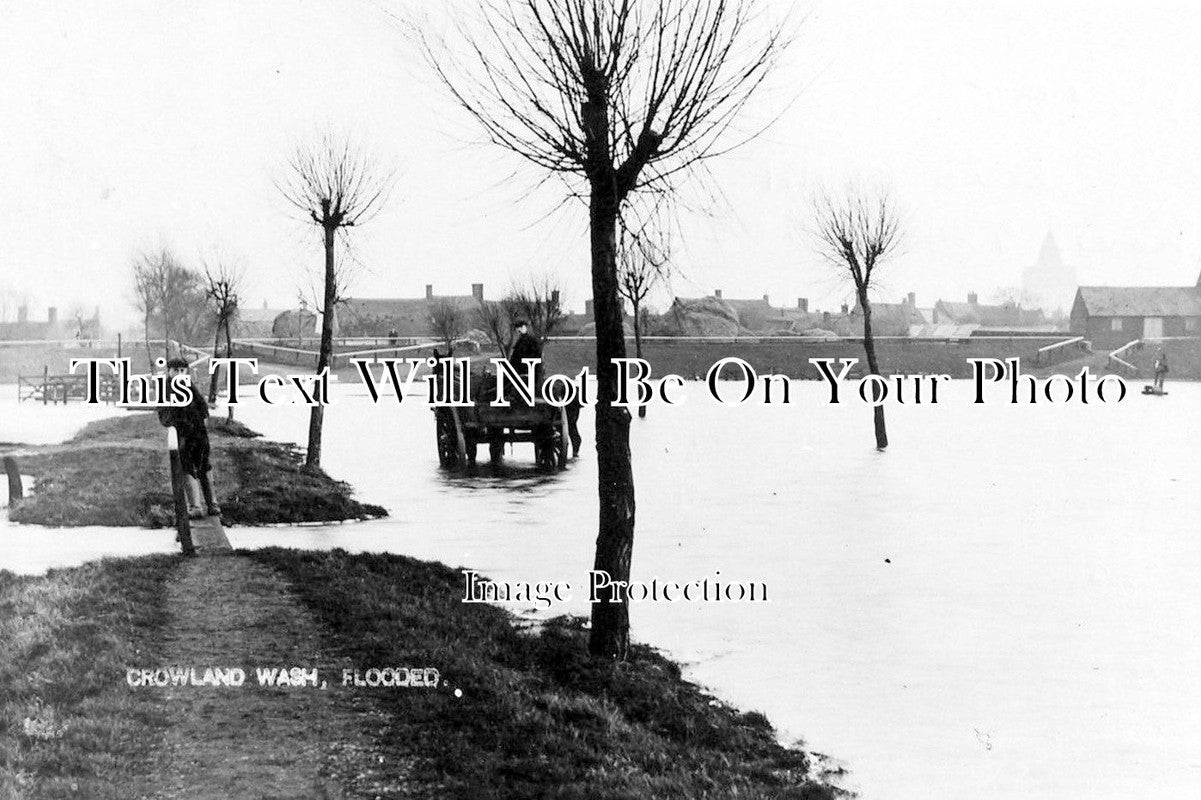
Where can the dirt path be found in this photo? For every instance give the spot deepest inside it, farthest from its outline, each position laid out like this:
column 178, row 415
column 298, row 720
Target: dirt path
column 257, row 741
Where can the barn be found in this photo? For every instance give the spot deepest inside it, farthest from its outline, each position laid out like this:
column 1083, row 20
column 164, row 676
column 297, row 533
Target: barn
column 1111, row 316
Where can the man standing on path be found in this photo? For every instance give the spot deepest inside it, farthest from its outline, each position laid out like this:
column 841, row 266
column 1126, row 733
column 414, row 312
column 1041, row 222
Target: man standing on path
column 189, row 424
column 1161, row 369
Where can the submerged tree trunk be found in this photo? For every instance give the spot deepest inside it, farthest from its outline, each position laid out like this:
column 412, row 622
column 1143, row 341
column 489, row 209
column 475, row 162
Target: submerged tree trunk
column 317, row 414
column 638, row 347
column 610, row 636
column 229, row 353
column 873, row 366
column 215, row 375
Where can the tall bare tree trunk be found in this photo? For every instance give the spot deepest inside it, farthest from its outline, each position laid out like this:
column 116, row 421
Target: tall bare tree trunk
column 317, row 415
column 615, row 537
column 873, row 366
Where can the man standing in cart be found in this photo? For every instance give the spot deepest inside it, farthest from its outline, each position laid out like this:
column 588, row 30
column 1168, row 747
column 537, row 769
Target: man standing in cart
column 526, row 349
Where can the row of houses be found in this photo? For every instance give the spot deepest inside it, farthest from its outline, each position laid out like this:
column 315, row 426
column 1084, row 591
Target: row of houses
column 1105, row 315
column 716, row 315
column 53, row 328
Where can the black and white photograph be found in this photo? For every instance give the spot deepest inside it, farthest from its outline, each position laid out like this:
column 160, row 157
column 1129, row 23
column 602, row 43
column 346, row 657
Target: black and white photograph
column 600, row 399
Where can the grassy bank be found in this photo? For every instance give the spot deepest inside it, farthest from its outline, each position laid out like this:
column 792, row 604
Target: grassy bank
column 537, row 718
column 116, row 472
column 532, row 717
column 67, row 729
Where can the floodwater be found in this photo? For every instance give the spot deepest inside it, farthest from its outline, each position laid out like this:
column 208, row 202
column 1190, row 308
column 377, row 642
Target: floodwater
column 1004, row 604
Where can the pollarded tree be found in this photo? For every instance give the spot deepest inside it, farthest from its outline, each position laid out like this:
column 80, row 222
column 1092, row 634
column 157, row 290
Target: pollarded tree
column 856, row 233
column 617, row 97
column 335, row 186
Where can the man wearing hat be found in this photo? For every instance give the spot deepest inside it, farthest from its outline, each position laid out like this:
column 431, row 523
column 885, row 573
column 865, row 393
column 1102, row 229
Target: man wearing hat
column 189, row 425
column 526, row 348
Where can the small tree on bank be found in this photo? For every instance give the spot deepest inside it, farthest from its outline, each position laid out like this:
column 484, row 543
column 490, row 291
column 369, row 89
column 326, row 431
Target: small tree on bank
column 618, row 97
column 643, row 260
column 222, row 286
column 335, row 186
column 856, row 234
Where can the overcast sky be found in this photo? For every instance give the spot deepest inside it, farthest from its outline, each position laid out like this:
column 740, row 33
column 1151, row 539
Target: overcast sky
column 126, row 125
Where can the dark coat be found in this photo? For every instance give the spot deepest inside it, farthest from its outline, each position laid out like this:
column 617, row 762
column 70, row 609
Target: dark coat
column 193, row 435
column 526, row 347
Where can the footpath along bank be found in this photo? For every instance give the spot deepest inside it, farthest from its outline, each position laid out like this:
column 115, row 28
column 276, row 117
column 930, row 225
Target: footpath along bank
column 512, row 713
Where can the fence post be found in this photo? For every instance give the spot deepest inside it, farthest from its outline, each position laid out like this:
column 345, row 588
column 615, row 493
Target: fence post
column 183, row 525
column 15, row 490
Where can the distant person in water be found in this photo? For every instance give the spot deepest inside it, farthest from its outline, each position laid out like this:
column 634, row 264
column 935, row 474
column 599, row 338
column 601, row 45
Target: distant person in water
column 1161, row 369
column 189, row 425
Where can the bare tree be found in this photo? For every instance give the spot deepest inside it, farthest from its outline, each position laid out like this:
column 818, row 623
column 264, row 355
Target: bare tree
column 170, row 297
column 335, row 186
column 495, row 317
column 643, row 259
column 448, row 322
column 856, row 233
column 616, row 97
column 537, row 301
column 145, row 281
column 223, row 281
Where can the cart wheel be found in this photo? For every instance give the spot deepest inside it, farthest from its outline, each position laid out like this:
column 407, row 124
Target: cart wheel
column 448, row 443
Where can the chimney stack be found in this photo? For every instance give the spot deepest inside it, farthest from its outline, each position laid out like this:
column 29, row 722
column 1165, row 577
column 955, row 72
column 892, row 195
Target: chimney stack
column 429, row 291
column 588, row 308
column 23, row 314
column 52, row 315
column 554, row 297
column 477, row 291
column 717, row 293
column 972, row 298
column 825, row 317
column 913, row 300
column 803, row 304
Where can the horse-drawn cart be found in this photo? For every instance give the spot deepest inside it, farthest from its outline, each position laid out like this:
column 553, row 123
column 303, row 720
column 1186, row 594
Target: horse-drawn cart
column 461, row 429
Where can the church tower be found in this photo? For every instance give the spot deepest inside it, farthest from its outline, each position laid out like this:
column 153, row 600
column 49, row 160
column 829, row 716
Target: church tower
column 1049, row 283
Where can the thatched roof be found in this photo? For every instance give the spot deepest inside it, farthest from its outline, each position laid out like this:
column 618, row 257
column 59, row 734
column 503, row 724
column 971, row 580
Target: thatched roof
column 701, row 316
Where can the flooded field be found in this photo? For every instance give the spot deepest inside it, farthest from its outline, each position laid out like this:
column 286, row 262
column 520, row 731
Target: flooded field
column 1002, row 605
